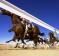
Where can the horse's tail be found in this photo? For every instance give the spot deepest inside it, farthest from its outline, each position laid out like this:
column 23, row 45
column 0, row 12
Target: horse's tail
column 9, row 41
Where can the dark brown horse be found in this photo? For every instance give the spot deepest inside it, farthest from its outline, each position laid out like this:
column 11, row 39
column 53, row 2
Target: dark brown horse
column 18, row 27
column 52, row 38
column 32, row 34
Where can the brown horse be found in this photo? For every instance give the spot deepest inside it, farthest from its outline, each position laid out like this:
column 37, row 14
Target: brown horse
column 32, row 34
column 52, row 38
column 18, row 27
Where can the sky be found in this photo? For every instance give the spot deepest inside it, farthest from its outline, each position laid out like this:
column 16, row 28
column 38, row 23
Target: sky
column 45, row 10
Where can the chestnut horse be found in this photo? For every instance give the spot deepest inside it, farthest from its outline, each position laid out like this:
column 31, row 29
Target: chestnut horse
column 18, row 27
column 33, row 33
column 52, row 38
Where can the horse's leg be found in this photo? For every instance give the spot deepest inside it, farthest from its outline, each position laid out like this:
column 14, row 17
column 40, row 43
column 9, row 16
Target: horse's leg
column 23, row 40
column 10, row 30
column 16, row 45
column 35, row 42
column 17, row 41
column 42, row 42
column 9, row 41
column 38, row 41
column 28, row 40
column 13, row 39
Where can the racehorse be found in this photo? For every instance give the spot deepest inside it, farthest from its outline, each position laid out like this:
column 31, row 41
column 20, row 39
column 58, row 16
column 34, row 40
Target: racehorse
column 18, row 27
column 33, row 33
column 52, row 38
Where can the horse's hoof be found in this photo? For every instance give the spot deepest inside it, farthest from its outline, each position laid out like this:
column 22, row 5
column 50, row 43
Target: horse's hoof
column 15, row 47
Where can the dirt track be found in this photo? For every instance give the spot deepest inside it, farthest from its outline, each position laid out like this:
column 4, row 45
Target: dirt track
column 5, row 50
column 29, row 52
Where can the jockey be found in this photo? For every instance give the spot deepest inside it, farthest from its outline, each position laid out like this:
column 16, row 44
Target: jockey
column 54, row 35
column 27, row 25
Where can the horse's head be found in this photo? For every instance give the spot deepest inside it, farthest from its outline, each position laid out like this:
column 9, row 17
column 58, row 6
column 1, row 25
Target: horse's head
column 50, row 34
column 5, row 12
